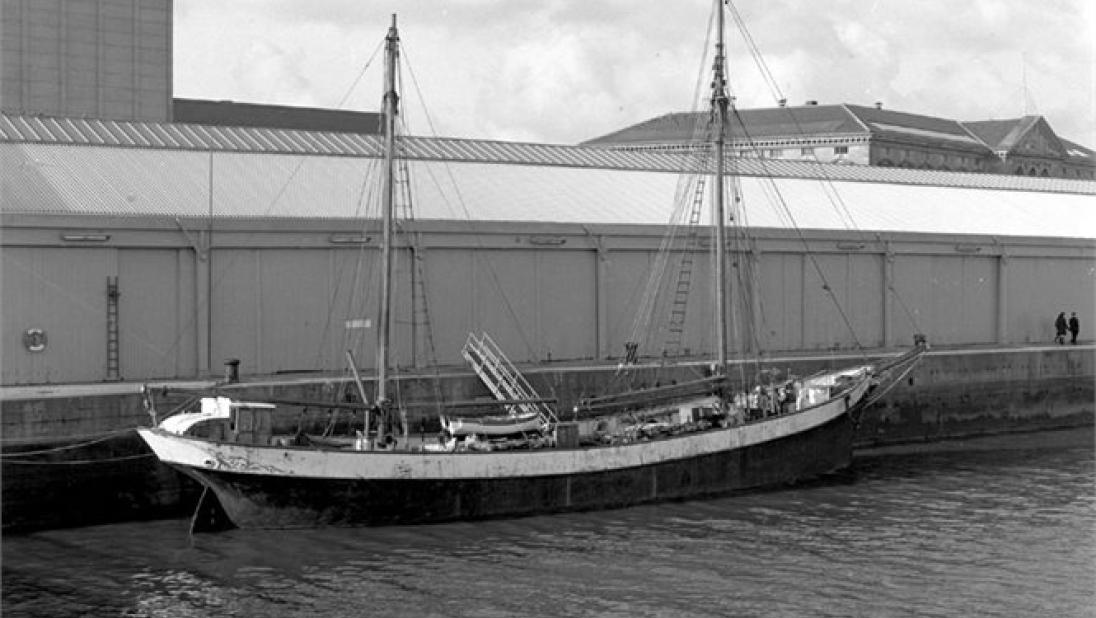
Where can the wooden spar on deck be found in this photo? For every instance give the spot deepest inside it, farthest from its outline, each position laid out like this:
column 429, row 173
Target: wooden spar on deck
column 361, row 392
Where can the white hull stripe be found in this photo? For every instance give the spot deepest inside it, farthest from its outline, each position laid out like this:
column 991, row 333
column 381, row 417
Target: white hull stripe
column 335, row 464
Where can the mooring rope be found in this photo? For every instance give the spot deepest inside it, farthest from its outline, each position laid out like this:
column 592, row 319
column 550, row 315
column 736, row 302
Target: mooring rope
column 101, row 438
column 78, row 462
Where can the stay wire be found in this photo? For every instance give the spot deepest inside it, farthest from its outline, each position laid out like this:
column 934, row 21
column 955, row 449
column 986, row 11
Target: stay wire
column 783, row 204
column 463, row 207
column 829, row 189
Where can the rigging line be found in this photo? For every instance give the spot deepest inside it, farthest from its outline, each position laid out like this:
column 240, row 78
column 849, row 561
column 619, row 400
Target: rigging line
column 467, row 213
column 327, row 331
column 300, row 162
column 417, row 265
column 657, row 285
column 79, row 462
column 696, row 168
column 363, row 270
column 102, row 438
column 696, row 164
column 810, row 255
column 755, row 51
column 902, row 303
column 832, row 194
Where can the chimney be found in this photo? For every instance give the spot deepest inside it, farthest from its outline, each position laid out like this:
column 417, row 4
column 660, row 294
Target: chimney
column 812, row 102
column 878, row 105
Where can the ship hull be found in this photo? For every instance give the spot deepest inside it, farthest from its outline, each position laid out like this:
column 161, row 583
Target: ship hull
column 516, row 484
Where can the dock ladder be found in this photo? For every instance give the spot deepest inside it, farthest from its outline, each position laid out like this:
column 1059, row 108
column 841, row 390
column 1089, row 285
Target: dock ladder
column 113, row 347
column 503, row 379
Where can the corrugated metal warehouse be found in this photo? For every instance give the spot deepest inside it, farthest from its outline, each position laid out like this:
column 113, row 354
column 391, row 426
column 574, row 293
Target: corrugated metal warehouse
column 257, row 244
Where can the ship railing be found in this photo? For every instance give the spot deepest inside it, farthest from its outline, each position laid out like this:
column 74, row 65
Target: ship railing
column 503, row 379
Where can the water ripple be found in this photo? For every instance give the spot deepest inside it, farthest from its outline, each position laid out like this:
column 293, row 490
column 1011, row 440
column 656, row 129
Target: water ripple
column 995, row 532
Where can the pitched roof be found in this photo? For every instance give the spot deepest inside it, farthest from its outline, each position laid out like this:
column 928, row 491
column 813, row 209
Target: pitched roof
column 1006, row 135
column 993, row 132
column 761, row 123
column 918, row 127
column 1079, row 152
column 798, row 122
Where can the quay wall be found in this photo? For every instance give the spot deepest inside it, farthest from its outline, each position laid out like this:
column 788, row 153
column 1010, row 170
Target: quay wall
column 62, row 450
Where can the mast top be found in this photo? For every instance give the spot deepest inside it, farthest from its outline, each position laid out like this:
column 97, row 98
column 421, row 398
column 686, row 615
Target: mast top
column 393, row 33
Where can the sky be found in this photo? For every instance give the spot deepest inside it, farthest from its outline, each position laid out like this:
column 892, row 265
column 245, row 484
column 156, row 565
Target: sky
column 564, row 71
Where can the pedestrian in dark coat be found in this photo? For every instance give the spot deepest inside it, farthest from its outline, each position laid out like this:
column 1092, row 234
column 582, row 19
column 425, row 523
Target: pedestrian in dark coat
column 1074, row 327
column 1060, row 328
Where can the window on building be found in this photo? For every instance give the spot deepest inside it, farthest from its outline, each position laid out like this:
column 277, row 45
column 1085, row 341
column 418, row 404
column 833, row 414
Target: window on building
column 840, row 150
column 806, row 152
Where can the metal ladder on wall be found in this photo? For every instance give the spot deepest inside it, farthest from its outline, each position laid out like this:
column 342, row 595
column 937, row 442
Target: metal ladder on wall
column 679, row 304
column 113, row 354
column 503, row 379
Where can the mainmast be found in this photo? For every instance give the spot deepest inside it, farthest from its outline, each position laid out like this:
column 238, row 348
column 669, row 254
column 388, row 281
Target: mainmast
column 719, row 111
column 391, row 101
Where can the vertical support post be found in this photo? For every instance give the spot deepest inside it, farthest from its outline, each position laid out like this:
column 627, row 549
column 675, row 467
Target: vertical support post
column 888, row 300
column 413, row 263
column 754, row 274
column 1002, row 298
column 209, row 273
column 601, row 281
column 203, row 304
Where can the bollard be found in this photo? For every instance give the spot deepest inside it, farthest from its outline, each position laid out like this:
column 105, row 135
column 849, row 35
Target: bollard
column 232, row 370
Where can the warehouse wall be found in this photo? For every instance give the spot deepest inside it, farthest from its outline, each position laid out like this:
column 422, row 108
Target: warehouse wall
column 287, row 297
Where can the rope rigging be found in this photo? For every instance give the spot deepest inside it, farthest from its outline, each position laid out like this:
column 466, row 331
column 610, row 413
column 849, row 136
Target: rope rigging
column 833, row 196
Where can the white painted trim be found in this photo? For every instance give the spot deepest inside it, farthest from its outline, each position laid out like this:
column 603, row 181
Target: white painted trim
column 333, row 464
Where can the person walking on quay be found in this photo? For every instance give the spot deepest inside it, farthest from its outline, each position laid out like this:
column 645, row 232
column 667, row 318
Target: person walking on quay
column 1074, row 327
column 1060, row 328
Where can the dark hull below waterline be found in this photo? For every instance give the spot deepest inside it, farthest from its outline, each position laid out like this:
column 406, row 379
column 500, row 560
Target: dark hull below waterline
column 268, row 501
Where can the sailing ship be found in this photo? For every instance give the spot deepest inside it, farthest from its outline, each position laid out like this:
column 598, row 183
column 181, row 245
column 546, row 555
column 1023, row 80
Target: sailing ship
column 703, row 437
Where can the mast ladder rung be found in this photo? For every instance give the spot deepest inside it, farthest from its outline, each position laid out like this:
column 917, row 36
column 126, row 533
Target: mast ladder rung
column 683, row 286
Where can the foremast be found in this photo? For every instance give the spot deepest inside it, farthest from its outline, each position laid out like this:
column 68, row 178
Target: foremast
column 391, row 102
column 719, row 112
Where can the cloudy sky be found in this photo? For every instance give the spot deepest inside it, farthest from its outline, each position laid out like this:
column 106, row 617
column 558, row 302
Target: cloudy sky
column 563, row 71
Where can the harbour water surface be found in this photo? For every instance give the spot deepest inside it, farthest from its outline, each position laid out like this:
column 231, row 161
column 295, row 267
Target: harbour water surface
column 994, row 527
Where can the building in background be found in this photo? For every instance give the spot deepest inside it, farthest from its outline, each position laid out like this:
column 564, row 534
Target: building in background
column 856, row 134
column 109, row 59
column 150, row 237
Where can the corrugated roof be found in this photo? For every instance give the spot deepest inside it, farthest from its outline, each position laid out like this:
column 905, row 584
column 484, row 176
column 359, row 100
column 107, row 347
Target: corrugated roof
column 111, row 181
column 68, row 132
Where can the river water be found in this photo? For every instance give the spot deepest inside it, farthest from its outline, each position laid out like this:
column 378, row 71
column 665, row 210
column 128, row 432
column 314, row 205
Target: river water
column 992, row 527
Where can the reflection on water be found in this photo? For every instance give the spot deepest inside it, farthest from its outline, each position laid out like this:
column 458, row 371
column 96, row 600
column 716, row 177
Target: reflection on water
column 1007, row 530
